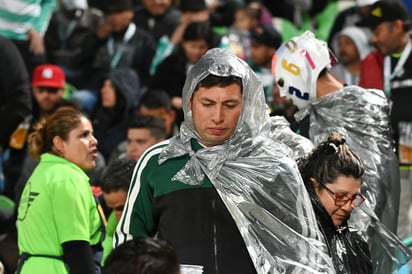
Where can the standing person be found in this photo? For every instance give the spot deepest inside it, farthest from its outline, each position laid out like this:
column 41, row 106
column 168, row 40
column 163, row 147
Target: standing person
column 390, row 68
column 301, row 68
column 58, row 221
column 223, row 193
column 332, row 174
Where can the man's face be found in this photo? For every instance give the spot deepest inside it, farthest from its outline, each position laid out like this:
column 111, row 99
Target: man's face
column 348, row 51
column 116, row 200
column 261, row 54
column 47, row 97
column 194, row 49
column 216, row 112
column 157, row 7
column 138, row 140
column 119, row 20
column 168, row 116
column 387, row 37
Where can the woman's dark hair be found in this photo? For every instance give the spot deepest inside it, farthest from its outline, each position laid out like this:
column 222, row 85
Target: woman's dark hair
column 143, row 256
column 60, row 123
column 201, row 30
column 329, row 160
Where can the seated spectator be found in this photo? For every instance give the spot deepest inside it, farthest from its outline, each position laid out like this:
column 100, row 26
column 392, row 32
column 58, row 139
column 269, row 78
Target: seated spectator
column 71, row 39
column 48, row 86
column 157, row 17
column 246, row 18
column 171, row 72
column 156, row 102
column 142, row 133
column 142, row 256
column 264, row 42
column 114, row 183
column 119, row 96
column 125, row 45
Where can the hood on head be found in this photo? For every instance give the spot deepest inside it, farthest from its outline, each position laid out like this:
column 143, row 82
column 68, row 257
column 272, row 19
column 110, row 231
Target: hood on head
column 223, row 62
column 127, row 84
column 360, row 38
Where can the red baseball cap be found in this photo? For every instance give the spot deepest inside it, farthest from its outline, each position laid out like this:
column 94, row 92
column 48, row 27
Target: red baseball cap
column 48, row 75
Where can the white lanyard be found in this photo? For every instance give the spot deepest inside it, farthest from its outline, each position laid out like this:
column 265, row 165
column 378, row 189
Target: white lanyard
column 398, row 70
column 131, row 29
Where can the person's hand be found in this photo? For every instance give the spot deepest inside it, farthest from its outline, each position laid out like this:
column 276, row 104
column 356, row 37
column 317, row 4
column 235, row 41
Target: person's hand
column 104, row 30
column 195, row 16
column 177, row 102
column 36, row 42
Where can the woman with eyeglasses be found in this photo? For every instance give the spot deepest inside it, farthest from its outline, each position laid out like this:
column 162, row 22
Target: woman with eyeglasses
column 332, row 174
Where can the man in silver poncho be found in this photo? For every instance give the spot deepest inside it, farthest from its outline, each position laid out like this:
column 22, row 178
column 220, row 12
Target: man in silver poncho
column 225, row 193
column 301, row 71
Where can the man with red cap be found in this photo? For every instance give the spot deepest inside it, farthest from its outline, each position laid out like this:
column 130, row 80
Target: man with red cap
column 48, row 86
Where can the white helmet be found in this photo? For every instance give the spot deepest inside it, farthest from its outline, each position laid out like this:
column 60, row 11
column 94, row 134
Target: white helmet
column 296, row 66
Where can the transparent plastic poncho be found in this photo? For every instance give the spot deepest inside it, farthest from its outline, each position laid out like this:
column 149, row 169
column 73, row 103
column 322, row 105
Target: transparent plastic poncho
column 361, row 116
column 255, row 176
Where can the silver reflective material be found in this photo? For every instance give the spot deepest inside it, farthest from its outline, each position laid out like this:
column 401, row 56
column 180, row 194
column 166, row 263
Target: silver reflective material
column 280, row 130
column 255, row 175
column 361, row 116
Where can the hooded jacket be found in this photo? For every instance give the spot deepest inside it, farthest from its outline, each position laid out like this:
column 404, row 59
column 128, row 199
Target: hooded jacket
column 361, row 41
column 110, row 126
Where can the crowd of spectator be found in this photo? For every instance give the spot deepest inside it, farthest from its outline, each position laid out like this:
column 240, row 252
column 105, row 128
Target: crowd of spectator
column 124, row 63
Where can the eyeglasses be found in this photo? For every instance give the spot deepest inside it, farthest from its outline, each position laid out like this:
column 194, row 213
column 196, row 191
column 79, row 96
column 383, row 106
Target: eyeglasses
column 47, row 89
column 341, row 199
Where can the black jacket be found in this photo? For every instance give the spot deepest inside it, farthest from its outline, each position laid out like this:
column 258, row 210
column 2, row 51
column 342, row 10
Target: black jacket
column 15, row 94
column 349, row 252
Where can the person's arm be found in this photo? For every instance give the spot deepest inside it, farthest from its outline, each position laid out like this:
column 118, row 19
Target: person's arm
column 79, row 257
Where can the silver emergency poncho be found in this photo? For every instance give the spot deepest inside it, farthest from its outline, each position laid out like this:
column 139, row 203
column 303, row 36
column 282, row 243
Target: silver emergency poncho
column 255, row 176
column 361, row 116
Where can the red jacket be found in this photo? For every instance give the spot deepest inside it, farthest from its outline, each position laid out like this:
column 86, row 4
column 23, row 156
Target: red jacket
column 371, row 71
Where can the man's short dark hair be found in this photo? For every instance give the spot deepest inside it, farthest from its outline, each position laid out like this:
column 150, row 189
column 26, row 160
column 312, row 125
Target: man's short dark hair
column 143, row 256
column 117, row 175
column 221, row 81
column 155, row 99
column 155, row 125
